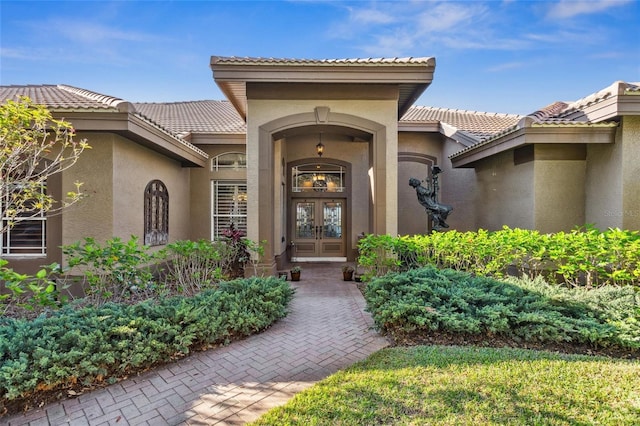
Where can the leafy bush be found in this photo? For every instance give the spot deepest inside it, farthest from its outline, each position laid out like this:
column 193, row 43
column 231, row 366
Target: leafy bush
column 586, row 257
column 94, row 344
column 28, row 293
column 193, row 266
column 113, row 272
column 428, row 299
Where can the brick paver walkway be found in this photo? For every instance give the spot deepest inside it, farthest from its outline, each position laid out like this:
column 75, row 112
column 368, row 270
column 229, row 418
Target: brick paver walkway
column 326, row 330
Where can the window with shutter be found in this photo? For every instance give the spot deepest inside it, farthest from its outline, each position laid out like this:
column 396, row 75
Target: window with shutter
column 25, row 233
column 229, row 206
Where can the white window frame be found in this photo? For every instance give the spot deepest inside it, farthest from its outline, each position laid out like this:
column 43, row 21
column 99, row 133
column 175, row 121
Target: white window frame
column 7, row 249
column 238, row 215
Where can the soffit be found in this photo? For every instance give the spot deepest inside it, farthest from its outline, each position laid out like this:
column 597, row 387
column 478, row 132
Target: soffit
column 411, row 75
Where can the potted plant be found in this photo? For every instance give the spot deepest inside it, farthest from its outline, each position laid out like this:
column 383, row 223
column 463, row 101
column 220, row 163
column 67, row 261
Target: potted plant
column 347, row 272
column 295, row 273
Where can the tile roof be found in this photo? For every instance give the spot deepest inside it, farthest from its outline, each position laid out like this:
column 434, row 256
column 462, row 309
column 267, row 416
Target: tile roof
column 195, row 116
column 347, row 61
column 61, row 97
column 479, row 124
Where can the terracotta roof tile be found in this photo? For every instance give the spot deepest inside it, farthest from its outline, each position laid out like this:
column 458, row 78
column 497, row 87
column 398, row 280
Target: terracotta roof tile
column 195, row 116
column 61, row 97
column 480, row 124
column 347, row 61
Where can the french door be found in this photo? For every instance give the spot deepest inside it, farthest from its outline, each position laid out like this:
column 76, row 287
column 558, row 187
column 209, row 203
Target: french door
column 318, row 228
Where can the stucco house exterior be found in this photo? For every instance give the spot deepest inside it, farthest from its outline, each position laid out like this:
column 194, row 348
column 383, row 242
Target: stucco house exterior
column 306, row 155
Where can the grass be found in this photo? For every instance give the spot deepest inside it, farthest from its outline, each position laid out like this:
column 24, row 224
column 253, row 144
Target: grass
column 446, row 385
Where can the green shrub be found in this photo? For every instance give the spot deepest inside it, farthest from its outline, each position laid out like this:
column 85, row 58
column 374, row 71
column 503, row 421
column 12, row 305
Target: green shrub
column 32, row 293
column 582, row 257
column 113, row 272
column 93, row 344
column 423, row 300
column 193, row 266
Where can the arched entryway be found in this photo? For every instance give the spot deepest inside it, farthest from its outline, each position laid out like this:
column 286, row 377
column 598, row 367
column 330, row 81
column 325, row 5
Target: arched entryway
column 356, row 149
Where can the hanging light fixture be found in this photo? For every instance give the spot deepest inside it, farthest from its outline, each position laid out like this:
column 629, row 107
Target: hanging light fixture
column 320, row 147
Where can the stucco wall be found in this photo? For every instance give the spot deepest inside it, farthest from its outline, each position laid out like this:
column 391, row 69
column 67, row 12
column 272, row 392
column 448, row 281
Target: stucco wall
column 613, row 179
column 130, row 181
column 559, row 194
column 458, row 189
column 115, row 173
column 505, row 193
column 631, row 172
column 92, row 216
column 603, row 184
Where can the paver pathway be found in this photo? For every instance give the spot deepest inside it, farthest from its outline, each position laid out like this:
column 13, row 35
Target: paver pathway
column 326, row 330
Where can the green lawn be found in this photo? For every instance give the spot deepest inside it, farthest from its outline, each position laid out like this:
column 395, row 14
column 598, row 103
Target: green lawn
column 468, row 385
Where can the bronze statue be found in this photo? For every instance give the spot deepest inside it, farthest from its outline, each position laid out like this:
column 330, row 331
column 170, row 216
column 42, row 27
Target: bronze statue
column 427, row 197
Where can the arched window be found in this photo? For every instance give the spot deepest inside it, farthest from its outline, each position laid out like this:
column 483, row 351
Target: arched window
column 156, row 214
column 229, row 161
column 318, row 177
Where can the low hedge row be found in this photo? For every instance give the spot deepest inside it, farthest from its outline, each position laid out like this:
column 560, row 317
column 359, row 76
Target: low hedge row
column 583, row 257
column 424, row 300
column 94, row 344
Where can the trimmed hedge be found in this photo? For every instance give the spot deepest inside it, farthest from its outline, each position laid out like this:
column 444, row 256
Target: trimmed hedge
column 583, row 257
column 424, row 300
column 95, row 344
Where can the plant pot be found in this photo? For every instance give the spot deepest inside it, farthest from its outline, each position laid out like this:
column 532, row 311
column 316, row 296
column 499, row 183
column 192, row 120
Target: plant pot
column 295, row 276
column 347, row 275
column 357, row 278
column 283, row 275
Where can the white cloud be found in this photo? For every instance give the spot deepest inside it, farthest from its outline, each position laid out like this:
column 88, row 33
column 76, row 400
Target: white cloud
column 506, row 66
column 445, row 17
column 569, row 8
column 371, row 16
column 89, row 33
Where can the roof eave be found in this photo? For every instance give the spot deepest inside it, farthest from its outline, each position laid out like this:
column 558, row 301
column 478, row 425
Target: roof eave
column 140, row 131
column 413, row 78
column 536, row 134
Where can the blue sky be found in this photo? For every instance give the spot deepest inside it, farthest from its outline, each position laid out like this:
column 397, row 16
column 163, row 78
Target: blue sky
column 496, row 56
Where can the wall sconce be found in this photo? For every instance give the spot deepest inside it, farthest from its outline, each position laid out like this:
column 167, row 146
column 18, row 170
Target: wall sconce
column 320, row 147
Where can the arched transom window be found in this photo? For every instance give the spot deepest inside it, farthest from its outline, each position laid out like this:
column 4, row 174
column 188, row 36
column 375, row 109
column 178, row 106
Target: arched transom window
column 229, row 161
column 318, row 177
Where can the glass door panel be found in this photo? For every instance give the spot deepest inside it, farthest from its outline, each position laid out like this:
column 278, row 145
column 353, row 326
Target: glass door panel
column 305, row 220
column 318, row 228
column 332, row 219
